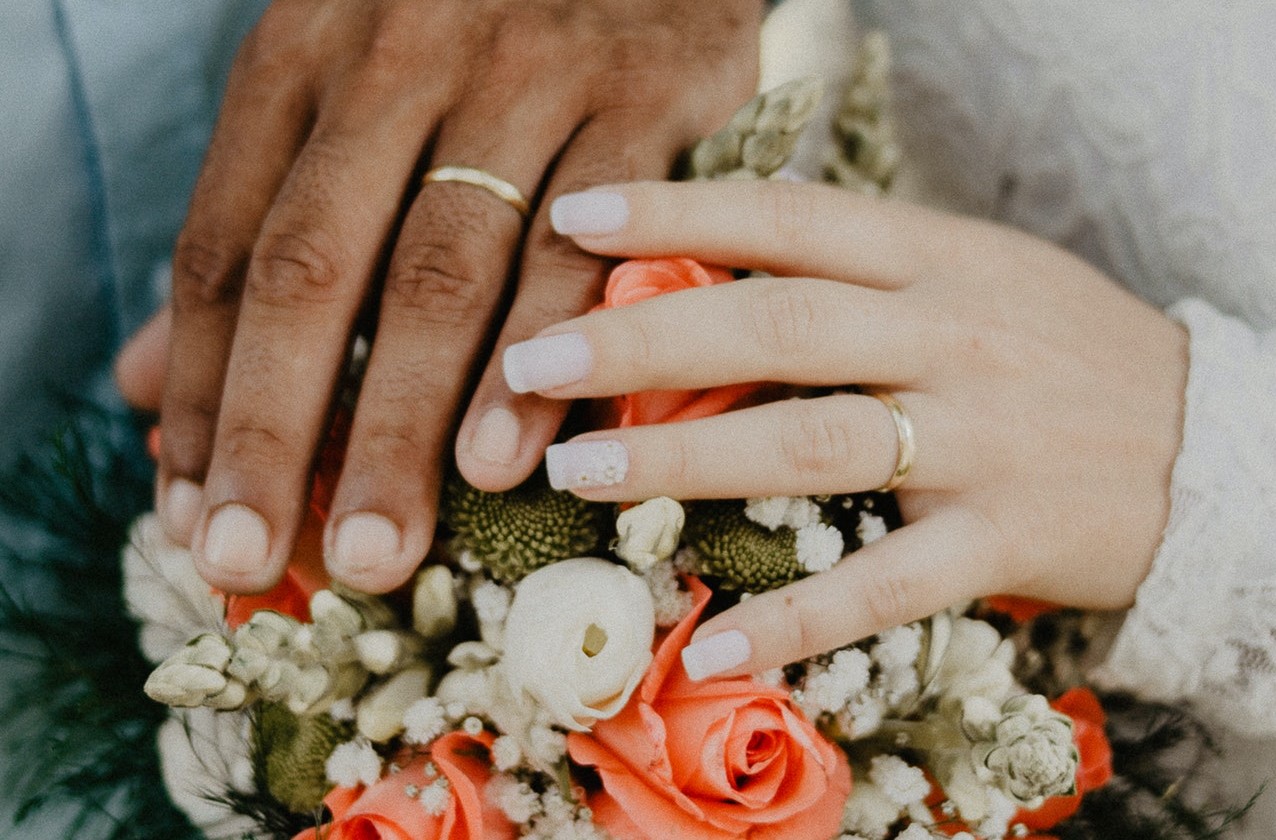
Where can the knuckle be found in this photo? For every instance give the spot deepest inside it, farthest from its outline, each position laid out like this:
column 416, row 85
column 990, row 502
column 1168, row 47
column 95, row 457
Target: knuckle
column 268, row 450
column 784, row 318
column 888, row 601
column 206, row 271
column 293, row 271
column 792, row 215
column 392, row 448
column 817, row 442
column 439, row 283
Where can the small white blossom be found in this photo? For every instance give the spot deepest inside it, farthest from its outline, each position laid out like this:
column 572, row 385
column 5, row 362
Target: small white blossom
column 898, row 780
column 424, row 721
column 506, row 754
column 819, row 547
column 548, row 745
column 898, row 647
column 491, row 602
column 868, row 811
column 915, row 832
column 672, row 602
column 771, row 512
column 515, row 799
column 469, row 562
column 830, row 689
column 871, row 528
column 434, row 797
column 342, row 710
column 353, row 763
column 472, row 726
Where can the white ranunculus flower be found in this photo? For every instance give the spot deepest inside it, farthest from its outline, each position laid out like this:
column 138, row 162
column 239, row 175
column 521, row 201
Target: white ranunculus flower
column 578, row 639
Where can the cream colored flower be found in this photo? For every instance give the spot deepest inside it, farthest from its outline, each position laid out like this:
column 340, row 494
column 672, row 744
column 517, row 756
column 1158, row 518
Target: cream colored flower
column 648, row 533
column 578, row 639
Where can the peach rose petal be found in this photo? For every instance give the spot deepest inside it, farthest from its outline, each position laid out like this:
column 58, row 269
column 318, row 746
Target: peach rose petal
column 714, row 760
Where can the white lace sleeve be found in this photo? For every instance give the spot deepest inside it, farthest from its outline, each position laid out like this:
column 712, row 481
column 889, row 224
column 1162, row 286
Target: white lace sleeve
column 1203, row 628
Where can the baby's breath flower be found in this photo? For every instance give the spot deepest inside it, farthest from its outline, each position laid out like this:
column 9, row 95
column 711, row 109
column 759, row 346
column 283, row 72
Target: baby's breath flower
column 435, row 797
column 773, row 511
column 353, row 763
column 672, row 602
column 424, row 721
column 342, row 710
column 516, row 799
column 915, row 832
column 871, row 528
column 898, row 780
column 819, row 547
column 898, row 647
column 506, row 753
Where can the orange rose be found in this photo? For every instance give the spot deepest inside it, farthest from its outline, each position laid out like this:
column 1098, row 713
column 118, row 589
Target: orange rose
column 636, row 280
column 721, row 759
column 389, row 810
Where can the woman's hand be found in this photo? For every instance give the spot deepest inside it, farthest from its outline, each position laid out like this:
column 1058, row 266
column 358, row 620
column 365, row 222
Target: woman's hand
column 1046, row 401
column 311, row 193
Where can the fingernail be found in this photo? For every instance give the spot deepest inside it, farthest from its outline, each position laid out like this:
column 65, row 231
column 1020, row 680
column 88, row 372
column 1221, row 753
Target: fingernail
column 589, row 213
column 715, row 654
column 237, row 541
column 547, row 362
column 584, row 464
column 364, row 542
column 180, row 510
column 496, row 436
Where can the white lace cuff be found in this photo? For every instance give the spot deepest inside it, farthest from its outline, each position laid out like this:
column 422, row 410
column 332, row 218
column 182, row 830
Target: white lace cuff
column 1203, row 627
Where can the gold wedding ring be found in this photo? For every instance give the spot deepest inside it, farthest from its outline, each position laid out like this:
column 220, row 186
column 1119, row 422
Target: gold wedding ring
column 907, row 445
column 498, row 187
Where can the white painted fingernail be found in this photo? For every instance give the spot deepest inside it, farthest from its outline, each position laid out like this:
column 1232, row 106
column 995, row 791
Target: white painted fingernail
column 715, row 654
column 237, row 541
column 364, row 542
column 180, row 511
column 495, row 439
column 547, row 362
column 581, row 465
column 592, row 213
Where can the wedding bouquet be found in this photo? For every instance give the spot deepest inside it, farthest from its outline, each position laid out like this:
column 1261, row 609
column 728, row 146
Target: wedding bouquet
column 528, row 681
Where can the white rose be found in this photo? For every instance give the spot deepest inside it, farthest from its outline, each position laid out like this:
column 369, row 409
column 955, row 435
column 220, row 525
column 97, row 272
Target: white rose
column 578, row 639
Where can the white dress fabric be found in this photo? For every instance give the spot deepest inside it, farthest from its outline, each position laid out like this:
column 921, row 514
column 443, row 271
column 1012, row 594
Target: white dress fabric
column 1140, row 136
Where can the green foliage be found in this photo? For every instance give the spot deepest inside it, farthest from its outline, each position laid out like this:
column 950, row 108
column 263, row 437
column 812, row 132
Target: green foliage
column 72, row 695
column 516, row 532
column 739, row 552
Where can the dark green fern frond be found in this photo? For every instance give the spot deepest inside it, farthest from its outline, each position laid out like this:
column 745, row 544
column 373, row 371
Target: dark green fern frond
column 71, row 688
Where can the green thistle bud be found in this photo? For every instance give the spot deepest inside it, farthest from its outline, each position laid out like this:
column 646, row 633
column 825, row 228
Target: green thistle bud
column 290, row 751
column 744, row 554
column 516, row 532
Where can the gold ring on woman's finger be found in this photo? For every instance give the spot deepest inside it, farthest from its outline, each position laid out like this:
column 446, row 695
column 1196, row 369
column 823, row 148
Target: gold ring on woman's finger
column 907, row 445
column 498, row 187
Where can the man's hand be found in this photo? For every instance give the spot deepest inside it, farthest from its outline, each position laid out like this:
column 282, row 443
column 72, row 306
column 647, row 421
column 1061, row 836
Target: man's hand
column 310, row 204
